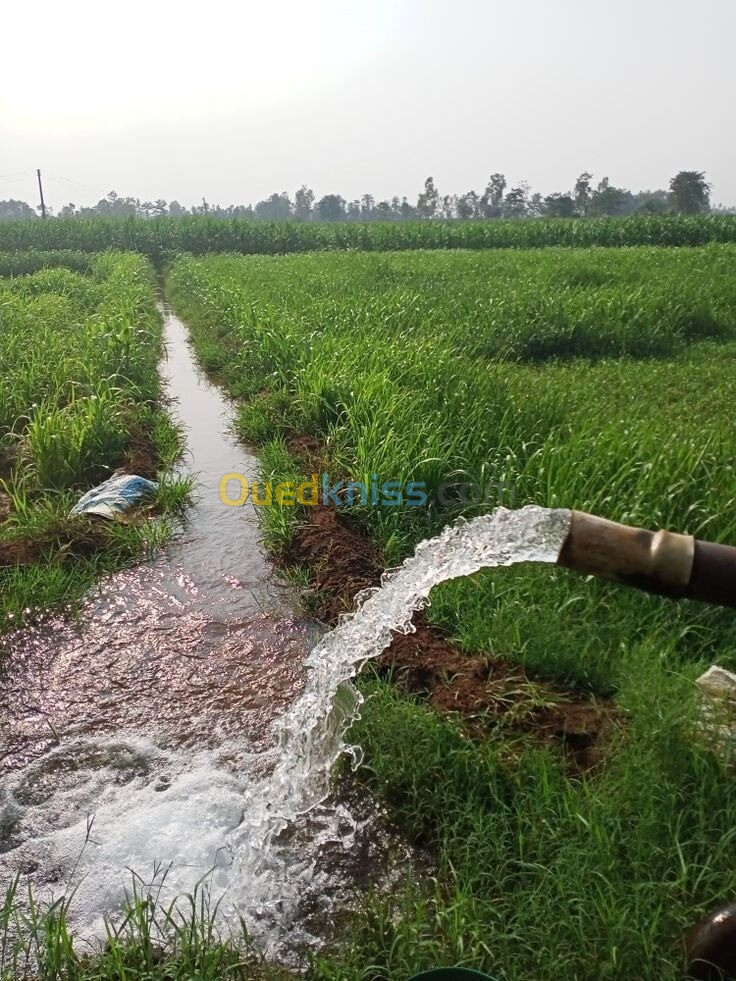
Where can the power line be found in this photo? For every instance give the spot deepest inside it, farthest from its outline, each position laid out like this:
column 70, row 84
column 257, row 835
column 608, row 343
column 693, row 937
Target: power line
column 6, row 178
column 69, row 180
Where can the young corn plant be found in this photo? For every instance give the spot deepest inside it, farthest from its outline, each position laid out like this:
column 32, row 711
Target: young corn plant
column 77, row 443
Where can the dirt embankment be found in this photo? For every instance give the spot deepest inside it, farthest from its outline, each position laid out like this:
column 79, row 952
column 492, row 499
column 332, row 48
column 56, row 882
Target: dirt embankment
column 488, row 692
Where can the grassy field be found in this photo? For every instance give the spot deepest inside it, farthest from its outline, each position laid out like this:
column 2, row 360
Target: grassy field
column 81, row 338
column 202, row 234
column 596, row 379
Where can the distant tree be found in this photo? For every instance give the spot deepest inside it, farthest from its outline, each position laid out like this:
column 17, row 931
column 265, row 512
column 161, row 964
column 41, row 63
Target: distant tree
column 304, row 203
column 275, row 208
column 492, row 199
column 582, row 193
column 232, row 211
column 467, row 205
column 114, row 206
column 331, row 208
column 648, row 202
column 407, row 211
column 690, row 192
column 723, row 209
column 651, row 206
column 515, row 202
column 13, row 210
column 367, row 207
column 447, row 206
column 428, row 200
column 559, row 206
column 536, row 207
column 608, row 200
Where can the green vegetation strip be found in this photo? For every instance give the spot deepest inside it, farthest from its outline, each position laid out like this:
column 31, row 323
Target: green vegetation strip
column 151, row 938
column 81, row 396
column 202, row 234
column 593, row 379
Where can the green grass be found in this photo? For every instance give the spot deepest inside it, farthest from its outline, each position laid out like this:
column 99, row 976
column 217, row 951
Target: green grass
column 18, row 263
column 539, row 875
column 596, row 379
column 78, row 360
column 201, row 234
column 151, row 938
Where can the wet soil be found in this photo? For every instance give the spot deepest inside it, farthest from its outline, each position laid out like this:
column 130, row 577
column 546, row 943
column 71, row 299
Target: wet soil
column 491, row 694
column 341, row 560
column 495, row 695
column 141, row 456
column 76, row 538
column 8, row 460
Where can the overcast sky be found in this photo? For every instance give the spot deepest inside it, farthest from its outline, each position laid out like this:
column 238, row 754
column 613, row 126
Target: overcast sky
column 235, row 100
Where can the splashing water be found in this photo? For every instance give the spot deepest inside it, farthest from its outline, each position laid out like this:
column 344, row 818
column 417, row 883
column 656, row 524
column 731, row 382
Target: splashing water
column 311, row 733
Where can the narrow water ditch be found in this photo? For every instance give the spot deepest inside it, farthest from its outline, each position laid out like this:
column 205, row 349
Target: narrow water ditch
column 130, row 736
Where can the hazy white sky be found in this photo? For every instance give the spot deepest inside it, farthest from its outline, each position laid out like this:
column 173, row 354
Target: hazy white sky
column 236, row 100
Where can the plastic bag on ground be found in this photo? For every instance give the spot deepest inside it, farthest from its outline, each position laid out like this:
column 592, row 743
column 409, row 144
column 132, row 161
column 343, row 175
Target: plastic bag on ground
column 718, row 710
column 116, row 496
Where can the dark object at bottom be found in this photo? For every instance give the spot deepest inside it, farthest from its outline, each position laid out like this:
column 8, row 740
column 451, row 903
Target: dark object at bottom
column 711, row 946
column 451, row 974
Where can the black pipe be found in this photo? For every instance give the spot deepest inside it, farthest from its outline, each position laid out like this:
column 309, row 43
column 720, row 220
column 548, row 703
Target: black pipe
column 662, row 562
column 713, row 578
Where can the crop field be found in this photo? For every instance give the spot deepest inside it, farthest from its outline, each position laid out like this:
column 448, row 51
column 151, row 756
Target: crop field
column 80, row 339
column 600, row 379
column 201, row 234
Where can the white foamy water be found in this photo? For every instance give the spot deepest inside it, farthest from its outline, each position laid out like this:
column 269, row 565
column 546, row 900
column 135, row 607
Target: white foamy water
column 94, row 809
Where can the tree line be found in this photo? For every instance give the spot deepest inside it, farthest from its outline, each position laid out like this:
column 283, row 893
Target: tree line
column 688, row 193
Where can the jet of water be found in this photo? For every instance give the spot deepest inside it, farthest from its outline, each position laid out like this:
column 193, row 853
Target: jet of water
column 311, row 734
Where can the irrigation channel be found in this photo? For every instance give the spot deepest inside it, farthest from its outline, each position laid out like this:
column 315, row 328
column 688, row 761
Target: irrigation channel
column 180, row 726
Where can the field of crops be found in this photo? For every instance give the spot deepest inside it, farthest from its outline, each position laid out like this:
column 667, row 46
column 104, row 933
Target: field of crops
column 595, row 379
column 81, row 338
column 201, row 234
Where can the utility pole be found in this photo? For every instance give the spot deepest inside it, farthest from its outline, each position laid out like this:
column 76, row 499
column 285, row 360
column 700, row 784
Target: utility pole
column 40, row 191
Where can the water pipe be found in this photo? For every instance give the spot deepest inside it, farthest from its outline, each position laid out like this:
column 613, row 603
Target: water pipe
column 663, row 562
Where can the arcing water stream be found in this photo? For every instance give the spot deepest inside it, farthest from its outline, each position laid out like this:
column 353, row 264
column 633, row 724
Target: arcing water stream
column 164, row 711
column 311, row 733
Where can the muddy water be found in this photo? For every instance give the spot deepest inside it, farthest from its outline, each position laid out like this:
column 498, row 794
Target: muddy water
column 129, row 737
